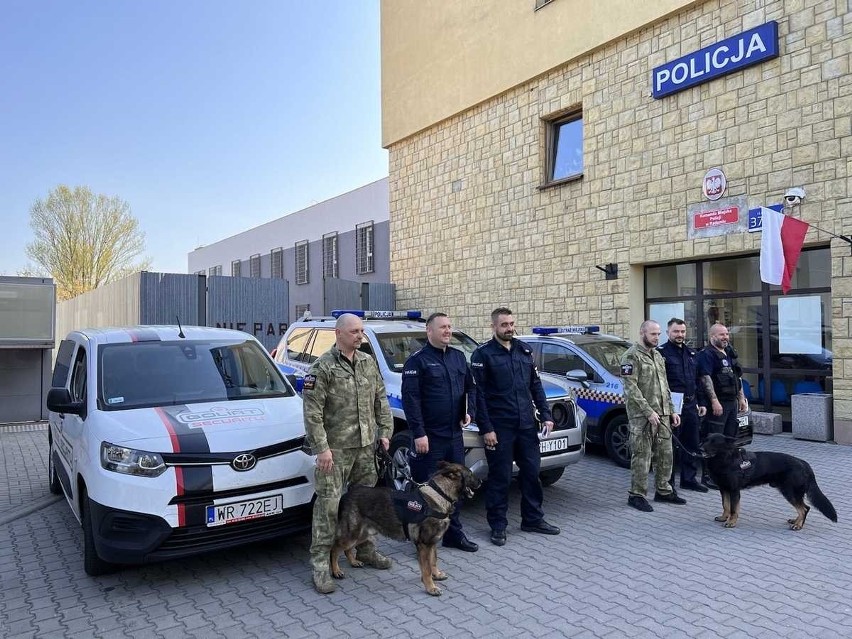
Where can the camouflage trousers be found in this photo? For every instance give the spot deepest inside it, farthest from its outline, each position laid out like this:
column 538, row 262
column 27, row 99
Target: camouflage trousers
column 649, row 443
column 351, row 466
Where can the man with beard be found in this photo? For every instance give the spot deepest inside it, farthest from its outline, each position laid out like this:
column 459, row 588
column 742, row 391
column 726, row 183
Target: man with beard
column 681, row 375
column 719, row 374
column 652, row 416
column 508, row 392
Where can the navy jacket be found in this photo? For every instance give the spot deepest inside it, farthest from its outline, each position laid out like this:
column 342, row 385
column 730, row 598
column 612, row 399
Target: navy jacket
column 682, row 371
column 723, row 369
column 437, row 391
column 508, row 388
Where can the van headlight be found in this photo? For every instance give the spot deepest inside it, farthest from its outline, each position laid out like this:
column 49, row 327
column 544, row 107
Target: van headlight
column 131, row 462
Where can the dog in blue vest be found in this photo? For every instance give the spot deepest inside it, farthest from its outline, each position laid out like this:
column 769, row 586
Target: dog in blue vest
column 420, row 514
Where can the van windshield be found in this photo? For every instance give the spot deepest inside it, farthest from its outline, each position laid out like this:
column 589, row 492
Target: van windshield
column 396, row 347
column 144, row 374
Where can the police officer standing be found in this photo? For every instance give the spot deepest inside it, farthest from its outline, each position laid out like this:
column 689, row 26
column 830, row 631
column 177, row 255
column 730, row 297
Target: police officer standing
column 508, row 391
column 651, row 415
column 345, row 408
column 681, row 375
column 437, row 389
column 720, row 376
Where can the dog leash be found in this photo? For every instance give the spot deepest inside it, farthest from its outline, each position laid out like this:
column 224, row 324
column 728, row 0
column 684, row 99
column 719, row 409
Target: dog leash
column 683, row 448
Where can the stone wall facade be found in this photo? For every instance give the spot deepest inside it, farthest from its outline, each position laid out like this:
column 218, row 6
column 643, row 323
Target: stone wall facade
column 473, row 228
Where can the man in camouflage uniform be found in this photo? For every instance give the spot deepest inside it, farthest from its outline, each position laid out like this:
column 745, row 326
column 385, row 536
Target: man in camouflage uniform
column 346, row 407
column 649, row 409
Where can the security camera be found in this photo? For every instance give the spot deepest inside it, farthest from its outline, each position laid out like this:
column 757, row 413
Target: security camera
column 794, row 196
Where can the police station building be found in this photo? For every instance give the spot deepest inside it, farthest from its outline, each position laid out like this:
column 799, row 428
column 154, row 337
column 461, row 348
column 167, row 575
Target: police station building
column 600, row 163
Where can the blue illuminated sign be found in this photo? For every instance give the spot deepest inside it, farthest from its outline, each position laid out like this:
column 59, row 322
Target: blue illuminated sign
column 731, row 54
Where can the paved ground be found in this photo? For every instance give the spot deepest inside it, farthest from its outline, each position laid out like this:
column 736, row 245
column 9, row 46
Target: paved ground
column 614, row 572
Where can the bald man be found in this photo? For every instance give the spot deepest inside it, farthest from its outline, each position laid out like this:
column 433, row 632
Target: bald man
column 346, row 410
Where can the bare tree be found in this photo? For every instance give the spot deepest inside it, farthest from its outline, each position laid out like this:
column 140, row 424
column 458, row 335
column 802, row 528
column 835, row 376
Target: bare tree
column 84, row 240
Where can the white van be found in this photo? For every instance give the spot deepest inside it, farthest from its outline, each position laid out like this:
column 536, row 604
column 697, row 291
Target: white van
column 169, row 442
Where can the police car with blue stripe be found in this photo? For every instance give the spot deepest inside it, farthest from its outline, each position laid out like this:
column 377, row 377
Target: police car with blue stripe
column 588, row 363
column 390, row 337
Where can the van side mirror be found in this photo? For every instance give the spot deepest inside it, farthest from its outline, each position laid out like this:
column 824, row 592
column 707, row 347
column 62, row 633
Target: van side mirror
column 578, row 375
column 59, row 401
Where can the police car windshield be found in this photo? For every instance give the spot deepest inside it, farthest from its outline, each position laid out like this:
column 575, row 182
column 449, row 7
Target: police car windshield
column 396, row 347
column 608, row 353
column 143, row 374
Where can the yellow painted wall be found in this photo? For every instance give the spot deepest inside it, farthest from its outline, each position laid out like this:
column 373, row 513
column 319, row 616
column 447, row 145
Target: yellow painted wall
column 440, row 57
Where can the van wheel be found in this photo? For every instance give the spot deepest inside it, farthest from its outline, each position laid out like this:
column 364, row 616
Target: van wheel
column 53, row 478
column 551, row 476
column 92, row 564
column 617, row 441
column 400, row 444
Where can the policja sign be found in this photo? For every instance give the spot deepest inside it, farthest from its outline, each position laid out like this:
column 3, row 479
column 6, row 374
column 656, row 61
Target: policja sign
column 731, row 54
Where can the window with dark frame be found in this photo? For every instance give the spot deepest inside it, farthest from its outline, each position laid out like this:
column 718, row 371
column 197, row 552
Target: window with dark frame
column 236, row 268
column 302, row 274
column 215, row 270
column 301, row 309
column 254, row 265
column 277, row 258
column 329, row 255
column 364, row 245
column 565, row 148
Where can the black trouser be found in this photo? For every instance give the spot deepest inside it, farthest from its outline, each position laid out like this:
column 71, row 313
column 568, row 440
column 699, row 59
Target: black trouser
column 450, row 449
column 689, row 436
column 522, row 447
column 726, row 423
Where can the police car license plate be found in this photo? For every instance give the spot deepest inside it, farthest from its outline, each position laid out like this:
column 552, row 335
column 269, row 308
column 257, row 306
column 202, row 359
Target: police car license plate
column 222, row 514
column 743, row 421
column 553, row 445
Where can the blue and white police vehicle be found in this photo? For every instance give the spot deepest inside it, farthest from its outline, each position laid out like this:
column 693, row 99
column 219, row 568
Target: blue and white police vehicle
column 170, row 441
column 390, row 337
column 589, row 363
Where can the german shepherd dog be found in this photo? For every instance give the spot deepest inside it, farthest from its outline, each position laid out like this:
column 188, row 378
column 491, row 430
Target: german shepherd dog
column 733, row 469
column 365, row 511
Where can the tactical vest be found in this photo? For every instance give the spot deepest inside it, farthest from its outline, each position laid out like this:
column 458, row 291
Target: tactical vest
column 412, row 508
column 725, row 381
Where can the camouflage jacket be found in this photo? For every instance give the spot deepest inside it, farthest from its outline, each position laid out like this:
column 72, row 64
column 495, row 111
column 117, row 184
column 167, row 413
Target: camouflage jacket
column 345, row 407
column 646, row 388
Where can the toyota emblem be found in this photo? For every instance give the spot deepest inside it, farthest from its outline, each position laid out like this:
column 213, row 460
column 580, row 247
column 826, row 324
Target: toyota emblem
column 243, row 462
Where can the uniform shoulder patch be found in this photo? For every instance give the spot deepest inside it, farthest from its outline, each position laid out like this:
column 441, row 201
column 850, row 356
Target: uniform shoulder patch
column 310, row 382
column 627, row 369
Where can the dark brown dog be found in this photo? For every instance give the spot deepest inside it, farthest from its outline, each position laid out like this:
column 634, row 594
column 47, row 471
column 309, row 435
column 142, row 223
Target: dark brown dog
column 733, row 469
column 365, row 511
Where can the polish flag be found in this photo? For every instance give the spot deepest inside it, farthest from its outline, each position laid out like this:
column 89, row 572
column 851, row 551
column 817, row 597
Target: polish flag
column 780, row 246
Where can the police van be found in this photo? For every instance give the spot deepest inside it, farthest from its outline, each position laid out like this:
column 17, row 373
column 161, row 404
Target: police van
column 390, row 337
column 170, row 441
column 589, row 363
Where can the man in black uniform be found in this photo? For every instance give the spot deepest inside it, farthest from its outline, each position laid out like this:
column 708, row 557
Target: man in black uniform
column 437, row 388
column 682, row 378
column 719, row 374
column 508, row 391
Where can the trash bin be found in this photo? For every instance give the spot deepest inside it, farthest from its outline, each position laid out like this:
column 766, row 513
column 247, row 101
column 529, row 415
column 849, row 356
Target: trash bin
column 812, row 416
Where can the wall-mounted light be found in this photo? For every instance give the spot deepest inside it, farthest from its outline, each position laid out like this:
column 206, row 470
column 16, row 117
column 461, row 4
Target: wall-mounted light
column 610, row 270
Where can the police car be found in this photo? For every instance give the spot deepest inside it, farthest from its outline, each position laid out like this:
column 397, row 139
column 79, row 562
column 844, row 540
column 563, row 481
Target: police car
column 170, row 441
column 589, row 363
column 390, row 337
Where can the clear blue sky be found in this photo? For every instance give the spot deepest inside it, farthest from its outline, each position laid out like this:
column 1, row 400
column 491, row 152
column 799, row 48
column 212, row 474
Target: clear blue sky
column 208, row 117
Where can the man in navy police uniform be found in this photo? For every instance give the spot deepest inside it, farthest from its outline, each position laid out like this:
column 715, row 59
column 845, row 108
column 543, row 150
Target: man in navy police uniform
column 508, row 391
column 438, row 397
column 681, row 370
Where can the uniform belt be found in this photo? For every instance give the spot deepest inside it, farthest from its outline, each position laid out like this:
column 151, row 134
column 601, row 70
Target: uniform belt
column 689, row 398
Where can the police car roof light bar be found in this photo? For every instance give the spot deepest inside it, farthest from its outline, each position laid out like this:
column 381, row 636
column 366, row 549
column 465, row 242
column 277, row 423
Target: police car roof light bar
column 573, row 330
column 411, row 315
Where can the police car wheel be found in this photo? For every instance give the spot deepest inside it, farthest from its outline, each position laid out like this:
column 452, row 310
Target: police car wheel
column 617, row 441
column 53, row 479
column 551, row 475
column 92, row 564
column 398, row 450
